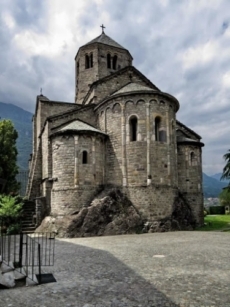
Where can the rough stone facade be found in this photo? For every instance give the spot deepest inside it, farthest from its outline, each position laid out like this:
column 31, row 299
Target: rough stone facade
column 121, row 132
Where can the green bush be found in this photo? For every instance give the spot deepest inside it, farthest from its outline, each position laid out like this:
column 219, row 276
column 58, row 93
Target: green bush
column 14, row 229
column 10, row 209
column 216, row 210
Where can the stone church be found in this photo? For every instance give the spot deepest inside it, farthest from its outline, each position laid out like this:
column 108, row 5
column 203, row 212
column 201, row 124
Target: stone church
column 121, row 132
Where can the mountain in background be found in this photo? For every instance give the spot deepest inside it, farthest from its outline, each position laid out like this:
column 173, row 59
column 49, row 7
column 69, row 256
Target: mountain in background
column 21, row 119
column 212, row 186
column 22, row 123
column 218, row 176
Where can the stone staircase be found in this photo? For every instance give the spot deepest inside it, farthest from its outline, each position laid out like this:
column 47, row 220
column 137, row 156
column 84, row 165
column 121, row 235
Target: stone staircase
column 28, row 220
column 11, row 277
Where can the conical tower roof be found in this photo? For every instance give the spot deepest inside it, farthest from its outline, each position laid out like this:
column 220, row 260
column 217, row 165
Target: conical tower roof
column 106, row 40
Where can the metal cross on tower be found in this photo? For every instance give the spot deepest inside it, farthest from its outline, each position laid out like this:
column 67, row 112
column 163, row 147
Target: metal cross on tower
column 103, row 27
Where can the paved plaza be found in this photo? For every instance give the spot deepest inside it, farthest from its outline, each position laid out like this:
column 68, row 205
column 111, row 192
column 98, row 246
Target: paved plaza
column 177, row 269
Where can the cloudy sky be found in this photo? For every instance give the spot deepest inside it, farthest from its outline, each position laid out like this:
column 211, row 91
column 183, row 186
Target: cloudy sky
column 182, row 46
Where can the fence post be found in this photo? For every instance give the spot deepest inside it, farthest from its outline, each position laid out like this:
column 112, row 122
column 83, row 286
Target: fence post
column 39, row 264
column 20, row 249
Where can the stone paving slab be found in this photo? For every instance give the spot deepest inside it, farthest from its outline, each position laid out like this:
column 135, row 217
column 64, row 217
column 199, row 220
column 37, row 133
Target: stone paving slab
column 177, row 269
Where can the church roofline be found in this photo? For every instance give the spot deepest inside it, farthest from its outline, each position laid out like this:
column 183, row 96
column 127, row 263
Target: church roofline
column 190, row 130
column 187, row 141
column 138, row 92
column 118, row 72
column 104, row 39
column 85, row 129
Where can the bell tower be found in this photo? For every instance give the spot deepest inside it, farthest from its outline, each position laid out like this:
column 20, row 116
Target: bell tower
column 97, row 59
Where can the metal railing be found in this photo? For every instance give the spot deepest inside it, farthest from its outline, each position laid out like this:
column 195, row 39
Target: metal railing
column 28, row 253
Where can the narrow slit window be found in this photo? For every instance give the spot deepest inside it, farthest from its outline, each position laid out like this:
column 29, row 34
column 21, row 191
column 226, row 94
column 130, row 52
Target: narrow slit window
column 133, row 129
column 86, row 61
column 192, row 158
column 108, row 60
column 115, row 62
column 84, row 157
column 157, row 128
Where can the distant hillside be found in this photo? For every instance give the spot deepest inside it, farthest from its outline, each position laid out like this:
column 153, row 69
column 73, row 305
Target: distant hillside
column 211, row 186
column 22, row 123
column 218, row 176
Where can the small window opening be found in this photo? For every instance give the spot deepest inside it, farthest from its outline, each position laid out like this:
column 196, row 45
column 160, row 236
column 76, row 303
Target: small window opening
column 192, row 158
column 108, row 60
column 157, row 128
column 84, row 157
column 133, row 129
column 86, row 61
column 115, row 62
column 91, row 60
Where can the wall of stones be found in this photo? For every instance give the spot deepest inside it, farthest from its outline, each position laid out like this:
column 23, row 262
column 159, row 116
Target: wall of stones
column 153, row 201
column 134, row 162
column 71, row 200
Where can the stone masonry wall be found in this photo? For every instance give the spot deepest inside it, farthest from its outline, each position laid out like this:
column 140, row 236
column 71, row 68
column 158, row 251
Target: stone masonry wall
column 86, row 76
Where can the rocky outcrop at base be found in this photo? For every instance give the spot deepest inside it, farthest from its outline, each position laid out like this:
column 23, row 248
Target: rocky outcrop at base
column 181, row 219
column 114, row 214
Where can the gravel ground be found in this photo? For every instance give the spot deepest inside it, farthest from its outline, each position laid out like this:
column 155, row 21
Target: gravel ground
column 177, row 269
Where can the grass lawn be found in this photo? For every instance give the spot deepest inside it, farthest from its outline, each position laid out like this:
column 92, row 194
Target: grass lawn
column 216, row 222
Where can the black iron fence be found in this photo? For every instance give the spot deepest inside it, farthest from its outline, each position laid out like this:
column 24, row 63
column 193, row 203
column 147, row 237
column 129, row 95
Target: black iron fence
column 28, row 253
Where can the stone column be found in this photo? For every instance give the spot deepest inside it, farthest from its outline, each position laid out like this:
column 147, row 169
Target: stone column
column 148, row 144
column 76, row 170
column 123, row 148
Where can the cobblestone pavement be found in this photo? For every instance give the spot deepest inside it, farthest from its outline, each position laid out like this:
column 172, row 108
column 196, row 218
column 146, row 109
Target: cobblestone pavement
column 177, row 269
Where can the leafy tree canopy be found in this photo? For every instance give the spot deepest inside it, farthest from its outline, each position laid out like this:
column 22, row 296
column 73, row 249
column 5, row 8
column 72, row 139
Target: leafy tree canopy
column 225, row 197
column 8, row 157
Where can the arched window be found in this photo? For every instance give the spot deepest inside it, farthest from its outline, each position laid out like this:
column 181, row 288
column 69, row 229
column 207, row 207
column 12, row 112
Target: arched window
column 84, row 157
column 86, row 61
column 157, row 128
column 192, row 158
column 133, row 125
column 115, row 62
column 91, row 60
column 108, row 60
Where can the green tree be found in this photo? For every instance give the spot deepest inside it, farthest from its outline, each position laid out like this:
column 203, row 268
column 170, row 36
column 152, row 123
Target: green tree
column 225, row 197
column 8, row 157
column 226, row 170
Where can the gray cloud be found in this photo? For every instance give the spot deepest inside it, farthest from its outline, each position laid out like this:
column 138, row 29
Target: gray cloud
column 181, row 46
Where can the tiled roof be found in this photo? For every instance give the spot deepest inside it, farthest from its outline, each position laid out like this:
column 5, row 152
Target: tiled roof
column 78, row 125
column 106, row 40
column 133, row 87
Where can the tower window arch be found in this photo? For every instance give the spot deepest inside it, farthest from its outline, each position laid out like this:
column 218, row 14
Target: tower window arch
column 115, row 62
column 192, row 158
column 87, row 61
column 84, row 157
column 133, row 126
column 108, row 60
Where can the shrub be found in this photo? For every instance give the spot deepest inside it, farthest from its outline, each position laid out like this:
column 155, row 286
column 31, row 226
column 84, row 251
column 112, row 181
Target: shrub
column 10, row 209
column 14, row 229
column 217, row 210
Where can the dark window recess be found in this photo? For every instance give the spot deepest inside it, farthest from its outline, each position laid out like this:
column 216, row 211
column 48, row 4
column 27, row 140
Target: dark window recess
column 86, row 61
column 157, row 127
column 115, row 62
column 77, row 67
column 108, row 60
column 133, row 129
column 84, row 157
